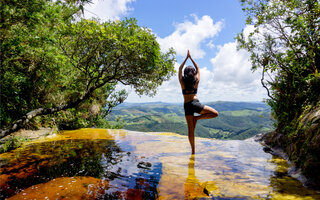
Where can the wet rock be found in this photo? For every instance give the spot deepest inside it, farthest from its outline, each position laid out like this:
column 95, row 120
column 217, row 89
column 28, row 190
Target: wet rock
column 31, row 134
column 302, row 145
column 267, row 149
column 144, row 165
column 157, row 167
column 65, row 188
column 210, row 188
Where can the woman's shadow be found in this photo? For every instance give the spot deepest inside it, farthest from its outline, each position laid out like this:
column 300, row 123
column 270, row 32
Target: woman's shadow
column 193, row 188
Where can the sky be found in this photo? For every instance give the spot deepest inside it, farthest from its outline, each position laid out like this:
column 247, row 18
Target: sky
column 208, row 29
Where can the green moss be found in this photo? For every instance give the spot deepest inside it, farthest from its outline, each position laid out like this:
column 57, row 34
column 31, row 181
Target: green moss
column 12, row 143
column 301, row 141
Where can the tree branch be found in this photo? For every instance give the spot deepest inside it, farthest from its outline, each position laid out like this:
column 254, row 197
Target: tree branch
column 45, row 111
column 263, row 84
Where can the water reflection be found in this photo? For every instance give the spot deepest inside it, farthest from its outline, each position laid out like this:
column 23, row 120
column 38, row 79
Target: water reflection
column 113, row 164
column 193, row 188
column 40, row 163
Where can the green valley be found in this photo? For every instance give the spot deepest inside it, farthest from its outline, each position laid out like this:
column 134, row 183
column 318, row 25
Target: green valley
column 237, row 120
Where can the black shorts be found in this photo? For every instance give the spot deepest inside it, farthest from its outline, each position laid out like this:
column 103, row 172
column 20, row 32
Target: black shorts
column 192, row 107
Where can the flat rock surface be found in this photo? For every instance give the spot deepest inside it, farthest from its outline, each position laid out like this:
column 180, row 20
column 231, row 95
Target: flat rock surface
column 137, row 165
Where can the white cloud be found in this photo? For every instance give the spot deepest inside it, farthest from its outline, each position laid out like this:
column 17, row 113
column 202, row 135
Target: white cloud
column 189, row 35
column 210, row 44
column 230, row 80
column 107, row 9
column 233, row 77
column 169, row 91
column 232, row 66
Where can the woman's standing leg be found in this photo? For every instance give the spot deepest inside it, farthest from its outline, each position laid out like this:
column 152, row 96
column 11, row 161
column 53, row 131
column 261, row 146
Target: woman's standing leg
column 191, row 121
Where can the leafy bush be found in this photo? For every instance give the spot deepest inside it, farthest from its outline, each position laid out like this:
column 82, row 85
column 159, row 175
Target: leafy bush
column 12, row 143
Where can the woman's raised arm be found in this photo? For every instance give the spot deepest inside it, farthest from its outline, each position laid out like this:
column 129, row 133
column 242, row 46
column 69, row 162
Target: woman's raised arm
column 196, row 66
column 180, row 68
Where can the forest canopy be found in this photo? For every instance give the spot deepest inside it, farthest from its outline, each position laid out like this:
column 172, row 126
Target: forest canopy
column 285, row 44
column 65, row 69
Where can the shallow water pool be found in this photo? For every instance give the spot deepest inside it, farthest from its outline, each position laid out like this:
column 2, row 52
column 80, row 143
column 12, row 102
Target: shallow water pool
column 119, row 164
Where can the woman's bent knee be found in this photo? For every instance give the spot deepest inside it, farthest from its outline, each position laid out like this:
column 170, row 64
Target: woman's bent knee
column 209, row 110
column 216, row 113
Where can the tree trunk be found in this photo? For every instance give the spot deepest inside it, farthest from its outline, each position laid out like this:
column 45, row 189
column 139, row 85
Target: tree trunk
column 45, row 111
column 25, row 119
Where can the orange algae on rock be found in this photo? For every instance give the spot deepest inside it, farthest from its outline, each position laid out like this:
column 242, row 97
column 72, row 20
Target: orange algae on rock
column 150, row 166
column 22, row 165
column 65, row 188
column 84, row 133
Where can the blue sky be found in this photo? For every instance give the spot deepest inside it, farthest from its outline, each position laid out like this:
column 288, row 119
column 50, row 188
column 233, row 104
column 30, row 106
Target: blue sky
column 208, row 29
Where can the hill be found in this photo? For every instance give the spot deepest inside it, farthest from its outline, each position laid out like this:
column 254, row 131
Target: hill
column 237, row 120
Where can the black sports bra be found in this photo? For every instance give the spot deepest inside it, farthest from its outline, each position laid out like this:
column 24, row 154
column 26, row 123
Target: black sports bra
column 194, row 91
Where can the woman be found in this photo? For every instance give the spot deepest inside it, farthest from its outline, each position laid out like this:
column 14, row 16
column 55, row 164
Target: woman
column 189, row 84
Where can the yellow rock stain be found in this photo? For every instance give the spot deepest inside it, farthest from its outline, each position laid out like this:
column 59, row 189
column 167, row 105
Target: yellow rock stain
column 65, row 188
column 206, row 174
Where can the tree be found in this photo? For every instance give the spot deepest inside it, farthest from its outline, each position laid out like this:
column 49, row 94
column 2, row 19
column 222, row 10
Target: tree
column 285, row 42
column 52, row 61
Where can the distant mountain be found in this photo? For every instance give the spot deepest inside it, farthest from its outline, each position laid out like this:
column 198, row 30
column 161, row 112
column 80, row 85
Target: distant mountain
column 231, row 106
column 237, row 120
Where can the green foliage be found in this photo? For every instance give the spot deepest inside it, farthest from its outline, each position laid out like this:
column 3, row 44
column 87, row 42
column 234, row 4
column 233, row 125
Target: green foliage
column 12, row 143
column 27, row 35
column 236, row 120
column 285, row 42
column 52, row 59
